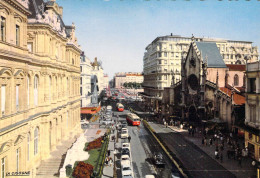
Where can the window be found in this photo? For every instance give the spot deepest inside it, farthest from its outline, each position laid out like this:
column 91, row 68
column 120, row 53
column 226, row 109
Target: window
column 17, row 160
column 165, row 54
column 252, row 85
column 232, row 56
column 160, row 61
column 3, row 99
column 159, row 54
column 80, row 68
column 17, row 97
column 170, row 46
column 165, row 77
column 3, row 168
column 172, row 54
column 17, row 35
column 165, row 61
column 30, row 47
column 80, row 90
column 80, row 80
column 36, row 83
column 28, row 146
column 252, row 109
column 28, row 91
column 165, row 70
column 36, row 134
column 250, row 136
column 236, row 80
column 3, row 30
column 72, row 61
column 50, row 87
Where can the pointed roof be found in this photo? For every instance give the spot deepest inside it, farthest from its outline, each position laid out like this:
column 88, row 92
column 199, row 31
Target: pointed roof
column 210, row 52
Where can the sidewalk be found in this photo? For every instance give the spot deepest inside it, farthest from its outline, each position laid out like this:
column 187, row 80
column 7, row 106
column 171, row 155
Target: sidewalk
column 108, row 171
column 244, row 171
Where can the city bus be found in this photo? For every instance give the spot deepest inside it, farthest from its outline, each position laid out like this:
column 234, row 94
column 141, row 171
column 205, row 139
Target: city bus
column 120, row 107
column 132, row 119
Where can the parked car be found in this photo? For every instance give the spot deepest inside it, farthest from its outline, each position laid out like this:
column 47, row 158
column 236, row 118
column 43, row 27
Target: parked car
column 124, row 134
column 126, row 145
column 127, row 170
column 158, row 159
column 125, row 159
column 125, row 152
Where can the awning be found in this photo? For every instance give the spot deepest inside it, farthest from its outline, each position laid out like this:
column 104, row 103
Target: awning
column 90, row 110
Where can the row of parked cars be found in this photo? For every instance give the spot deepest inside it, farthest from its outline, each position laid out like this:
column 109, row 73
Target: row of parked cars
column 126, row 158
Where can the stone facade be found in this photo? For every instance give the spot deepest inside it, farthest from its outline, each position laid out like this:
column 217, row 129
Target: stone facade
column 162, row 60
column 252, row 121
column 39, row 79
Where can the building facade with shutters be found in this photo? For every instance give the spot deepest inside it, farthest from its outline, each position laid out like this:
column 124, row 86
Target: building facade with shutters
column 252, row 121
column 162, row 60
column 40, row 81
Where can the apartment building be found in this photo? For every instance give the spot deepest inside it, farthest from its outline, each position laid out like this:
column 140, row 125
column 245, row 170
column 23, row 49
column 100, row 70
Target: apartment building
column 162, row 60
column 127, row 77
column 85, row 80
column 252, row 120
column 39, row 80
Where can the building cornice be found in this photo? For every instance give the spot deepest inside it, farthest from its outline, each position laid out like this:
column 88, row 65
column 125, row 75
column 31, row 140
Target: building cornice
column 18, row 6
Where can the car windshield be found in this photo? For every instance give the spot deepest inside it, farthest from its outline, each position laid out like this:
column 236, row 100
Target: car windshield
column 126, row 168
column 124, row 132
column 125, row 158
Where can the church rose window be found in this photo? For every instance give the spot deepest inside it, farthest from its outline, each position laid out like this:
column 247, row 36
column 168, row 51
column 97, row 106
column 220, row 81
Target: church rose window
column 193, row 82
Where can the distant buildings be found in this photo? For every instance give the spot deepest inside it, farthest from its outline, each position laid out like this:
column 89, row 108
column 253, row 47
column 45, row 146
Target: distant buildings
column 39, row 80
column 127, row 77
column 162, row 61
column 204, row 94
column 92, row 82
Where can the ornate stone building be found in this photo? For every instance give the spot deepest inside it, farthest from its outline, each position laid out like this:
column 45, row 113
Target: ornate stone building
column 39, row 79
column 252, row 121
column 202, row 93
column 162, row 60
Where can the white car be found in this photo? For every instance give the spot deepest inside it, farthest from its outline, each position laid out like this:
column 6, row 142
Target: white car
column 125, row 160
column 124, row 134
column 127, row 170
column 126, row 145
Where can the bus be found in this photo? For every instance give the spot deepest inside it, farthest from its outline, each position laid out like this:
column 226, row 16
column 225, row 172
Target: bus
column 120, row 107
column 132, row 119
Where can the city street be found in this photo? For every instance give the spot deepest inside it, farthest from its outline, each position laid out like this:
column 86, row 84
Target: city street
column 143, row 147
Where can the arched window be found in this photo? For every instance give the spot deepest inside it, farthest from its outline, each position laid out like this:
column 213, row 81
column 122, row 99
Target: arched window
column 28, row 91
column 28, row 146
column 236, row 80
column 36, row 85
column 36, row 139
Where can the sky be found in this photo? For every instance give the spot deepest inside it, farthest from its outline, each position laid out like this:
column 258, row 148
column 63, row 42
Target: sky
column 117, row 31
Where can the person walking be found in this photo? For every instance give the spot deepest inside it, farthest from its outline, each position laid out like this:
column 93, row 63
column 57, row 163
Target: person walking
column 108, row 153
column 221, row 157
column 129, row 138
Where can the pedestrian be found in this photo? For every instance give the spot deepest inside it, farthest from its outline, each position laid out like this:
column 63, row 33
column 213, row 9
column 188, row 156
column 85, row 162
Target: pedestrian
column 108, row 152
column 202, row 141
column 192, row 132
column 221, row 157
column 129, row 138
column 106, row 160
column 110, row 161
column 216, row 154
column 210, row 142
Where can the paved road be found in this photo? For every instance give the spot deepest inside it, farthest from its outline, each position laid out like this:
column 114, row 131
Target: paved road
column 198, row 163
column 143, row 146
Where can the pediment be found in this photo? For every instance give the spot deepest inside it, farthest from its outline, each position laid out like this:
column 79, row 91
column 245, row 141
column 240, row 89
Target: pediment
column 5, row 146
